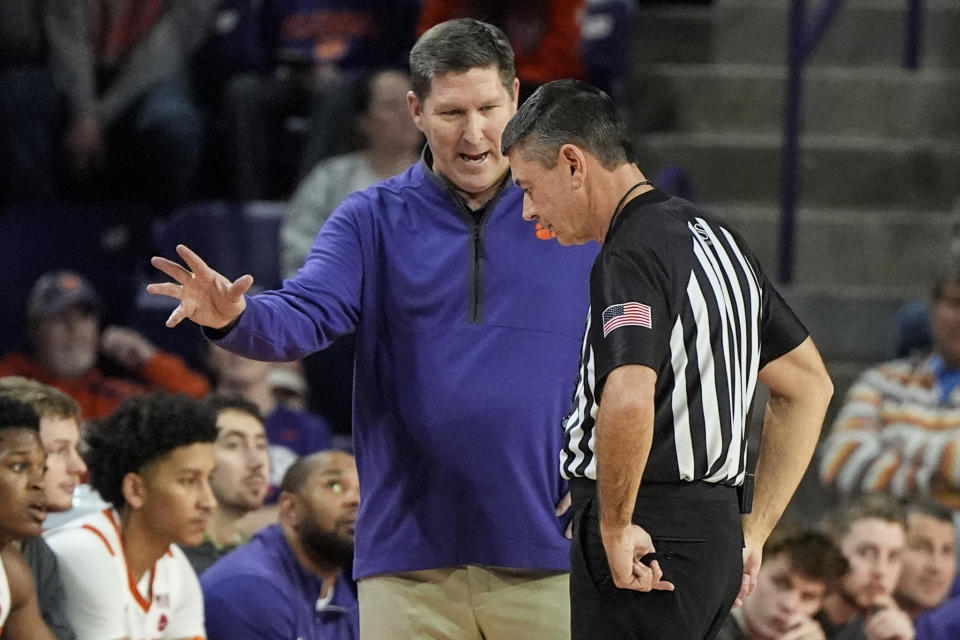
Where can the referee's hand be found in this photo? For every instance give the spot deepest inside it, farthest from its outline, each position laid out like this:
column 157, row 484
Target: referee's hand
column 625, row 550
column 752, row 557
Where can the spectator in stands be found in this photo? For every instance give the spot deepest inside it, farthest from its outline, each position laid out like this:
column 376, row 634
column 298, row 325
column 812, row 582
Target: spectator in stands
column 798, row 568
column 899, row 429
column 22, row 513
column 391, row 144
column 316, row 51
column 871, row 534
column 942, row 623
column 290, row 433
column 544, row 34
column 240, row 480
column 122, row 66
column 63, row 318
column 289, row 581
column 606, row 42
column 29, row 108
column 59, row 434
column 929, row 560
column 123, row 574
column 288, row 384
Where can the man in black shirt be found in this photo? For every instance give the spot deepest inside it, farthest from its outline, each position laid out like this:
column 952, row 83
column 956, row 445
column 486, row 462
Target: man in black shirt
column 682, row 325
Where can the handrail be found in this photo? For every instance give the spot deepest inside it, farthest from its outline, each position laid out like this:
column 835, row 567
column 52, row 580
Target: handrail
column 802, row 42
column 911, row 47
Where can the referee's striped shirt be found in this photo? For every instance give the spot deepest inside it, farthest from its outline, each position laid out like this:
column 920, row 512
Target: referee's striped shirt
column 676, row 290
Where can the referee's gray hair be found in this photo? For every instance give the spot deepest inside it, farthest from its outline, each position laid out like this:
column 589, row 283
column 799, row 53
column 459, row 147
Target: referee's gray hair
column 568, row 112
column 458, row 46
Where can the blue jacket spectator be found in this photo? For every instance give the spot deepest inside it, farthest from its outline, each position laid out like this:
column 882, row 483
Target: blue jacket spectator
column 287, row 581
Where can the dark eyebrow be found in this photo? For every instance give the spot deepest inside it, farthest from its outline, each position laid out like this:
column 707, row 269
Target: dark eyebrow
column 190, row 470
column 20, row 452
column 240, row 434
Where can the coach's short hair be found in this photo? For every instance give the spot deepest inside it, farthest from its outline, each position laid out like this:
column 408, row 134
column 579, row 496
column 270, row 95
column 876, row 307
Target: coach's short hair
column 458, row 46
column 568, row 112
column 877, row 506
column 140, row 431
column 45, row 400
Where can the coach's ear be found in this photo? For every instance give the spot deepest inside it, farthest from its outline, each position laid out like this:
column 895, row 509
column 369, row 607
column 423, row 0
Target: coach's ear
column 133, row 489
column 416, row 108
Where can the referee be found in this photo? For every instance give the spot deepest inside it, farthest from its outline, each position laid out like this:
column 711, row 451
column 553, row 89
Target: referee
column 682, row 325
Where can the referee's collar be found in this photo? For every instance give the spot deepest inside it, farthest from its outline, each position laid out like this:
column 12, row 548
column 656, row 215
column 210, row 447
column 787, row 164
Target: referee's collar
column 647, row 197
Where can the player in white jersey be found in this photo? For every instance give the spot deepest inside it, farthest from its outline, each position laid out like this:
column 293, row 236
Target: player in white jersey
column 22, row 462
column 165, row 603
column 124, row 576
column 4, row 596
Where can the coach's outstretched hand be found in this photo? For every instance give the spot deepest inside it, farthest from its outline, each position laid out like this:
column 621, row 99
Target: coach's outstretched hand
column 206, row 297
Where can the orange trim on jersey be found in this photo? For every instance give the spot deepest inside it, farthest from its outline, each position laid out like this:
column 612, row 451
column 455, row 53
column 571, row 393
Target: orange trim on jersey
column 143, row 602
column 134, row 590
column 90, row 527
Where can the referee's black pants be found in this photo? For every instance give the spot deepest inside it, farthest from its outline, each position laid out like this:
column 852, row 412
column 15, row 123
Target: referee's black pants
column 698, row 537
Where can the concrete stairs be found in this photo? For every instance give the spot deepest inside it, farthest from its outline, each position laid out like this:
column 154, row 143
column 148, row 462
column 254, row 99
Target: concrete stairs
column 880, row 160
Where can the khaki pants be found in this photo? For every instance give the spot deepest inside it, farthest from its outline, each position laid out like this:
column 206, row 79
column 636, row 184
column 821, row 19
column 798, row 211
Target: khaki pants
column 466, row 603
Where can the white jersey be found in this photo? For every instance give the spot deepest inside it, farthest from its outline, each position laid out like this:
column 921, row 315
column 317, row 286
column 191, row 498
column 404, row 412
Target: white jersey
column 5, row 598
column 103, row 600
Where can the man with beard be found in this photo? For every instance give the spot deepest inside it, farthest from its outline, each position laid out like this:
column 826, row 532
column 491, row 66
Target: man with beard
column 288, row 581
column 239, row 481
column 871, row 534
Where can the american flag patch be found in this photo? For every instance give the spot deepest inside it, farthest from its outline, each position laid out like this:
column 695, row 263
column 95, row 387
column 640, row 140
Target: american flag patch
column 627, row 314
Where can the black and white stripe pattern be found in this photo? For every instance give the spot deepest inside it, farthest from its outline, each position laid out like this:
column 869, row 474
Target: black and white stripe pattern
column 714, row 350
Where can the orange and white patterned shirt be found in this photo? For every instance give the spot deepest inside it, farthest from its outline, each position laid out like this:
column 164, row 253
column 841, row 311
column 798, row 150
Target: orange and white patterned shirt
column 896, row 434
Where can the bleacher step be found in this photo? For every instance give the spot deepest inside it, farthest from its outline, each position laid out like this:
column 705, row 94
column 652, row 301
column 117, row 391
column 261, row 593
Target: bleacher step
column 863, row 33
column 848, row 246
column 848, row 172
column 703, row 98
